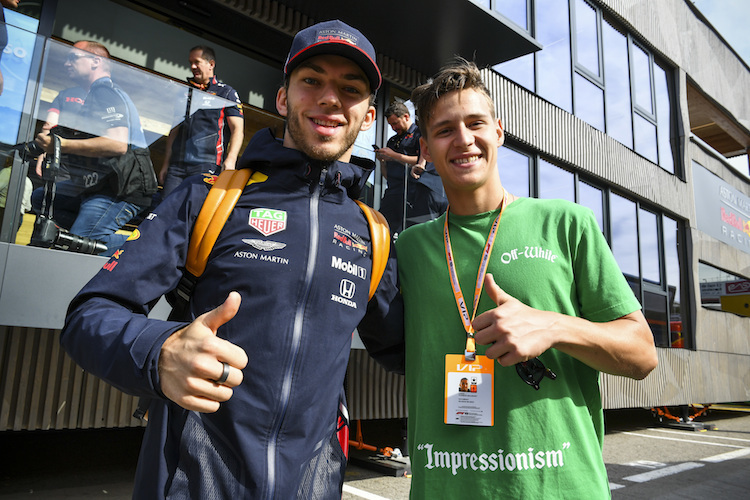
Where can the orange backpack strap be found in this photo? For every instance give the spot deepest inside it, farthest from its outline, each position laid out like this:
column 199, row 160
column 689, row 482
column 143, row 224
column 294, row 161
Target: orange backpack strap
column 380, row 234
column 221, row 199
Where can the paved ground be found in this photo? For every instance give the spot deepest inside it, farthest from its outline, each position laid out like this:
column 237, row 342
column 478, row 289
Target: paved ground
column 644, row 460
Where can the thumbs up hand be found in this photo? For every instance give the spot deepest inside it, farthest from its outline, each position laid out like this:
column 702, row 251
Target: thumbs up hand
column 194, row 358
column 516, row 331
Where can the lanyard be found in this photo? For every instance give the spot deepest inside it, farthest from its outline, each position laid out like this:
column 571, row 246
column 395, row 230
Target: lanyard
column 471, row 349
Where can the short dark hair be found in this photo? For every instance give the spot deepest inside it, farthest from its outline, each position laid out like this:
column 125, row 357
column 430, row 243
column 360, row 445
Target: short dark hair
column 207, row 52
column 396, row 108
column 460, row 74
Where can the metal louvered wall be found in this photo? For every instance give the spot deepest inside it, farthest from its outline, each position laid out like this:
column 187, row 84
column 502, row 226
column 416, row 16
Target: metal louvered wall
column 43, row 389
column 372, row 392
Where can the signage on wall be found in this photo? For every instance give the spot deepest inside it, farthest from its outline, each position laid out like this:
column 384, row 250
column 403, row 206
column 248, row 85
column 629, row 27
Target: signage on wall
column 722, row 211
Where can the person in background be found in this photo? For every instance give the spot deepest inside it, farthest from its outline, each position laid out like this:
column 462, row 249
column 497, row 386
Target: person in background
column 416, row 195
column 208, row 140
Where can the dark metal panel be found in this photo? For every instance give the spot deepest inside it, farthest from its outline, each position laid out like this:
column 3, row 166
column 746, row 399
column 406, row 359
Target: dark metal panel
column 421, row 34
column 425, row 34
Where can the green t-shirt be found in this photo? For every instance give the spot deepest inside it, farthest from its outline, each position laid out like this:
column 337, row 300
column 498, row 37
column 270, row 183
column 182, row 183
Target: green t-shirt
column 550, row 255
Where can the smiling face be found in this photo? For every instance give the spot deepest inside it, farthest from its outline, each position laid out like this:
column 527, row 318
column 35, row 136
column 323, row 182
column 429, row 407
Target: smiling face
column 326, row 104
column 203, row 69
column 461, row 139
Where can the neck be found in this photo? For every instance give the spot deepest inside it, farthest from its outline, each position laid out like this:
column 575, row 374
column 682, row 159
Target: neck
column 480, row 204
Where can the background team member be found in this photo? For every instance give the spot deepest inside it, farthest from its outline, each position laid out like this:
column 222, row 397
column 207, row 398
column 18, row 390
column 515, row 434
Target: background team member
column 247, row 395
column 417, row 197
column 209, row 140
column 554, row 293
column 108, row 130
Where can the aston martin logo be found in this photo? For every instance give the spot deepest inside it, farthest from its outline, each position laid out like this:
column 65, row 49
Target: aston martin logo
column 264, row 245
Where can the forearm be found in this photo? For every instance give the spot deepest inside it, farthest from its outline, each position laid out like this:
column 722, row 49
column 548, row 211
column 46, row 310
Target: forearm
column 96, row 147
column 236, row 125
column 623, row 347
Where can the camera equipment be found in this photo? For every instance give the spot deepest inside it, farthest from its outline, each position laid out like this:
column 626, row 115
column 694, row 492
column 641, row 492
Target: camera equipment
column 28, row 150
column 46, row 233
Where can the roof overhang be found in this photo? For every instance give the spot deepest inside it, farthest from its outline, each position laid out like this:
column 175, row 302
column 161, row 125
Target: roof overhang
column 422, row 35
column 426, row 34
column 716, row 126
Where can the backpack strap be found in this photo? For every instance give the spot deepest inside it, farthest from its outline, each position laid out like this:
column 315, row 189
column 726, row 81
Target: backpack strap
column 221, row 199
column 380, row 235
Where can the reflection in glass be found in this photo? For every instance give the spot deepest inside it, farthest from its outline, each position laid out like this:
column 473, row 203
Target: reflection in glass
column 664, row 118
column 624, row 234
column 515, row 10
column 645, row 138
column 587, row 46
column 713, row 282
column 589, row 102
column 553, row 62
column 642, row 79
column 655, row 310
column 555, row 183
column 514, row 171
column 672, row 262
column 591, row 197
column 649, row 241
column 617, row 85
column 520, row 70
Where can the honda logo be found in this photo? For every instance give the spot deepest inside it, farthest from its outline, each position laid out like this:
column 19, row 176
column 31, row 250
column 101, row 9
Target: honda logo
column 347, row 288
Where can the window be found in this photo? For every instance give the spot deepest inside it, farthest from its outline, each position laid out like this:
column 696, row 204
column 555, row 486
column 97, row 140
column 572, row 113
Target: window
column 598, row 72
column 722, row 290
column 555, row 183
column 514, row 170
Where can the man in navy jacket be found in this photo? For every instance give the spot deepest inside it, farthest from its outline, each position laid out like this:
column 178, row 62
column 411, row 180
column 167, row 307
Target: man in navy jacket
column 246, row 396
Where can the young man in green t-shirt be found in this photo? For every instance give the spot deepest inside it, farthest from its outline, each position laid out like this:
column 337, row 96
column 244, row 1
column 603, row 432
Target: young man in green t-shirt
column 555, row 311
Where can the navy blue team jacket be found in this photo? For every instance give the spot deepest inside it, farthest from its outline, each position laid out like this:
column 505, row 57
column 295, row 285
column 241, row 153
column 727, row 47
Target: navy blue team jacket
column 297, row 249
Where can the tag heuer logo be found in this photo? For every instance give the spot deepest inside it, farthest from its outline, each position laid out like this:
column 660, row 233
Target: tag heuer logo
column 267, row 220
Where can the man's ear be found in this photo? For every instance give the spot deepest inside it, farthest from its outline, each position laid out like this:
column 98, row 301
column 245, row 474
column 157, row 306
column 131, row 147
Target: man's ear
column 369, row 119
column 281, row 101
column 500, row 133
column 424, row 149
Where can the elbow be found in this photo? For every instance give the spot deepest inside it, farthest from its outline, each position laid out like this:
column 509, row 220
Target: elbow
column 647, row 363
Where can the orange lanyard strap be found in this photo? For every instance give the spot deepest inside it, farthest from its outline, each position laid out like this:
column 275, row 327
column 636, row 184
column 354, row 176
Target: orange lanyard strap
column 463, row 310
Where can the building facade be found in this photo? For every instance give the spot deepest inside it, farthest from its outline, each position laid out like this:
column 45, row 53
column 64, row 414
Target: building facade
column 636, row 109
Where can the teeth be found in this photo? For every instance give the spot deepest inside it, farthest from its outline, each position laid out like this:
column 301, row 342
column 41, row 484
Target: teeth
column 325, row 123
column 470, row 159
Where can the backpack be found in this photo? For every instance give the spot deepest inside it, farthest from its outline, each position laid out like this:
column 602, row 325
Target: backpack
column 219, row 203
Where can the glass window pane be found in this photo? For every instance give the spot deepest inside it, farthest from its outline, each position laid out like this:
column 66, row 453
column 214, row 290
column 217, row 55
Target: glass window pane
column 649, row 239
column 589, row 102
column 553, row 62
column 520, row 70
column 514, row 171
column 645, row 138
column 642, row 79
column 664, row 120
column 655, row 310
column 672, row 262
column 624, row 231
column 591, row 197
column 587, row 46
column 617, row 85
column 555, row 183
column 713, row 283
column 515, row 10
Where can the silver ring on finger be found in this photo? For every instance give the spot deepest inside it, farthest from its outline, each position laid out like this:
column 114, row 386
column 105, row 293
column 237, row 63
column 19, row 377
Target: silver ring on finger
column 224, row 374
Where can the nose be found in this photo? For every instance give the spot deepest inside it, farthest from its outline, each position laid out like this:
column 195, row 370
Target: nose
column 329, row 96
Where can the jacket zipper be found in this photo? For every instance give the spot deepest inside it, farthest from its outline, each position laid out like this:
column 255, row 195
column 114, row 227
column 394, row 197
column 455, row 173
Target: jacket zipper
column 286, row 387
